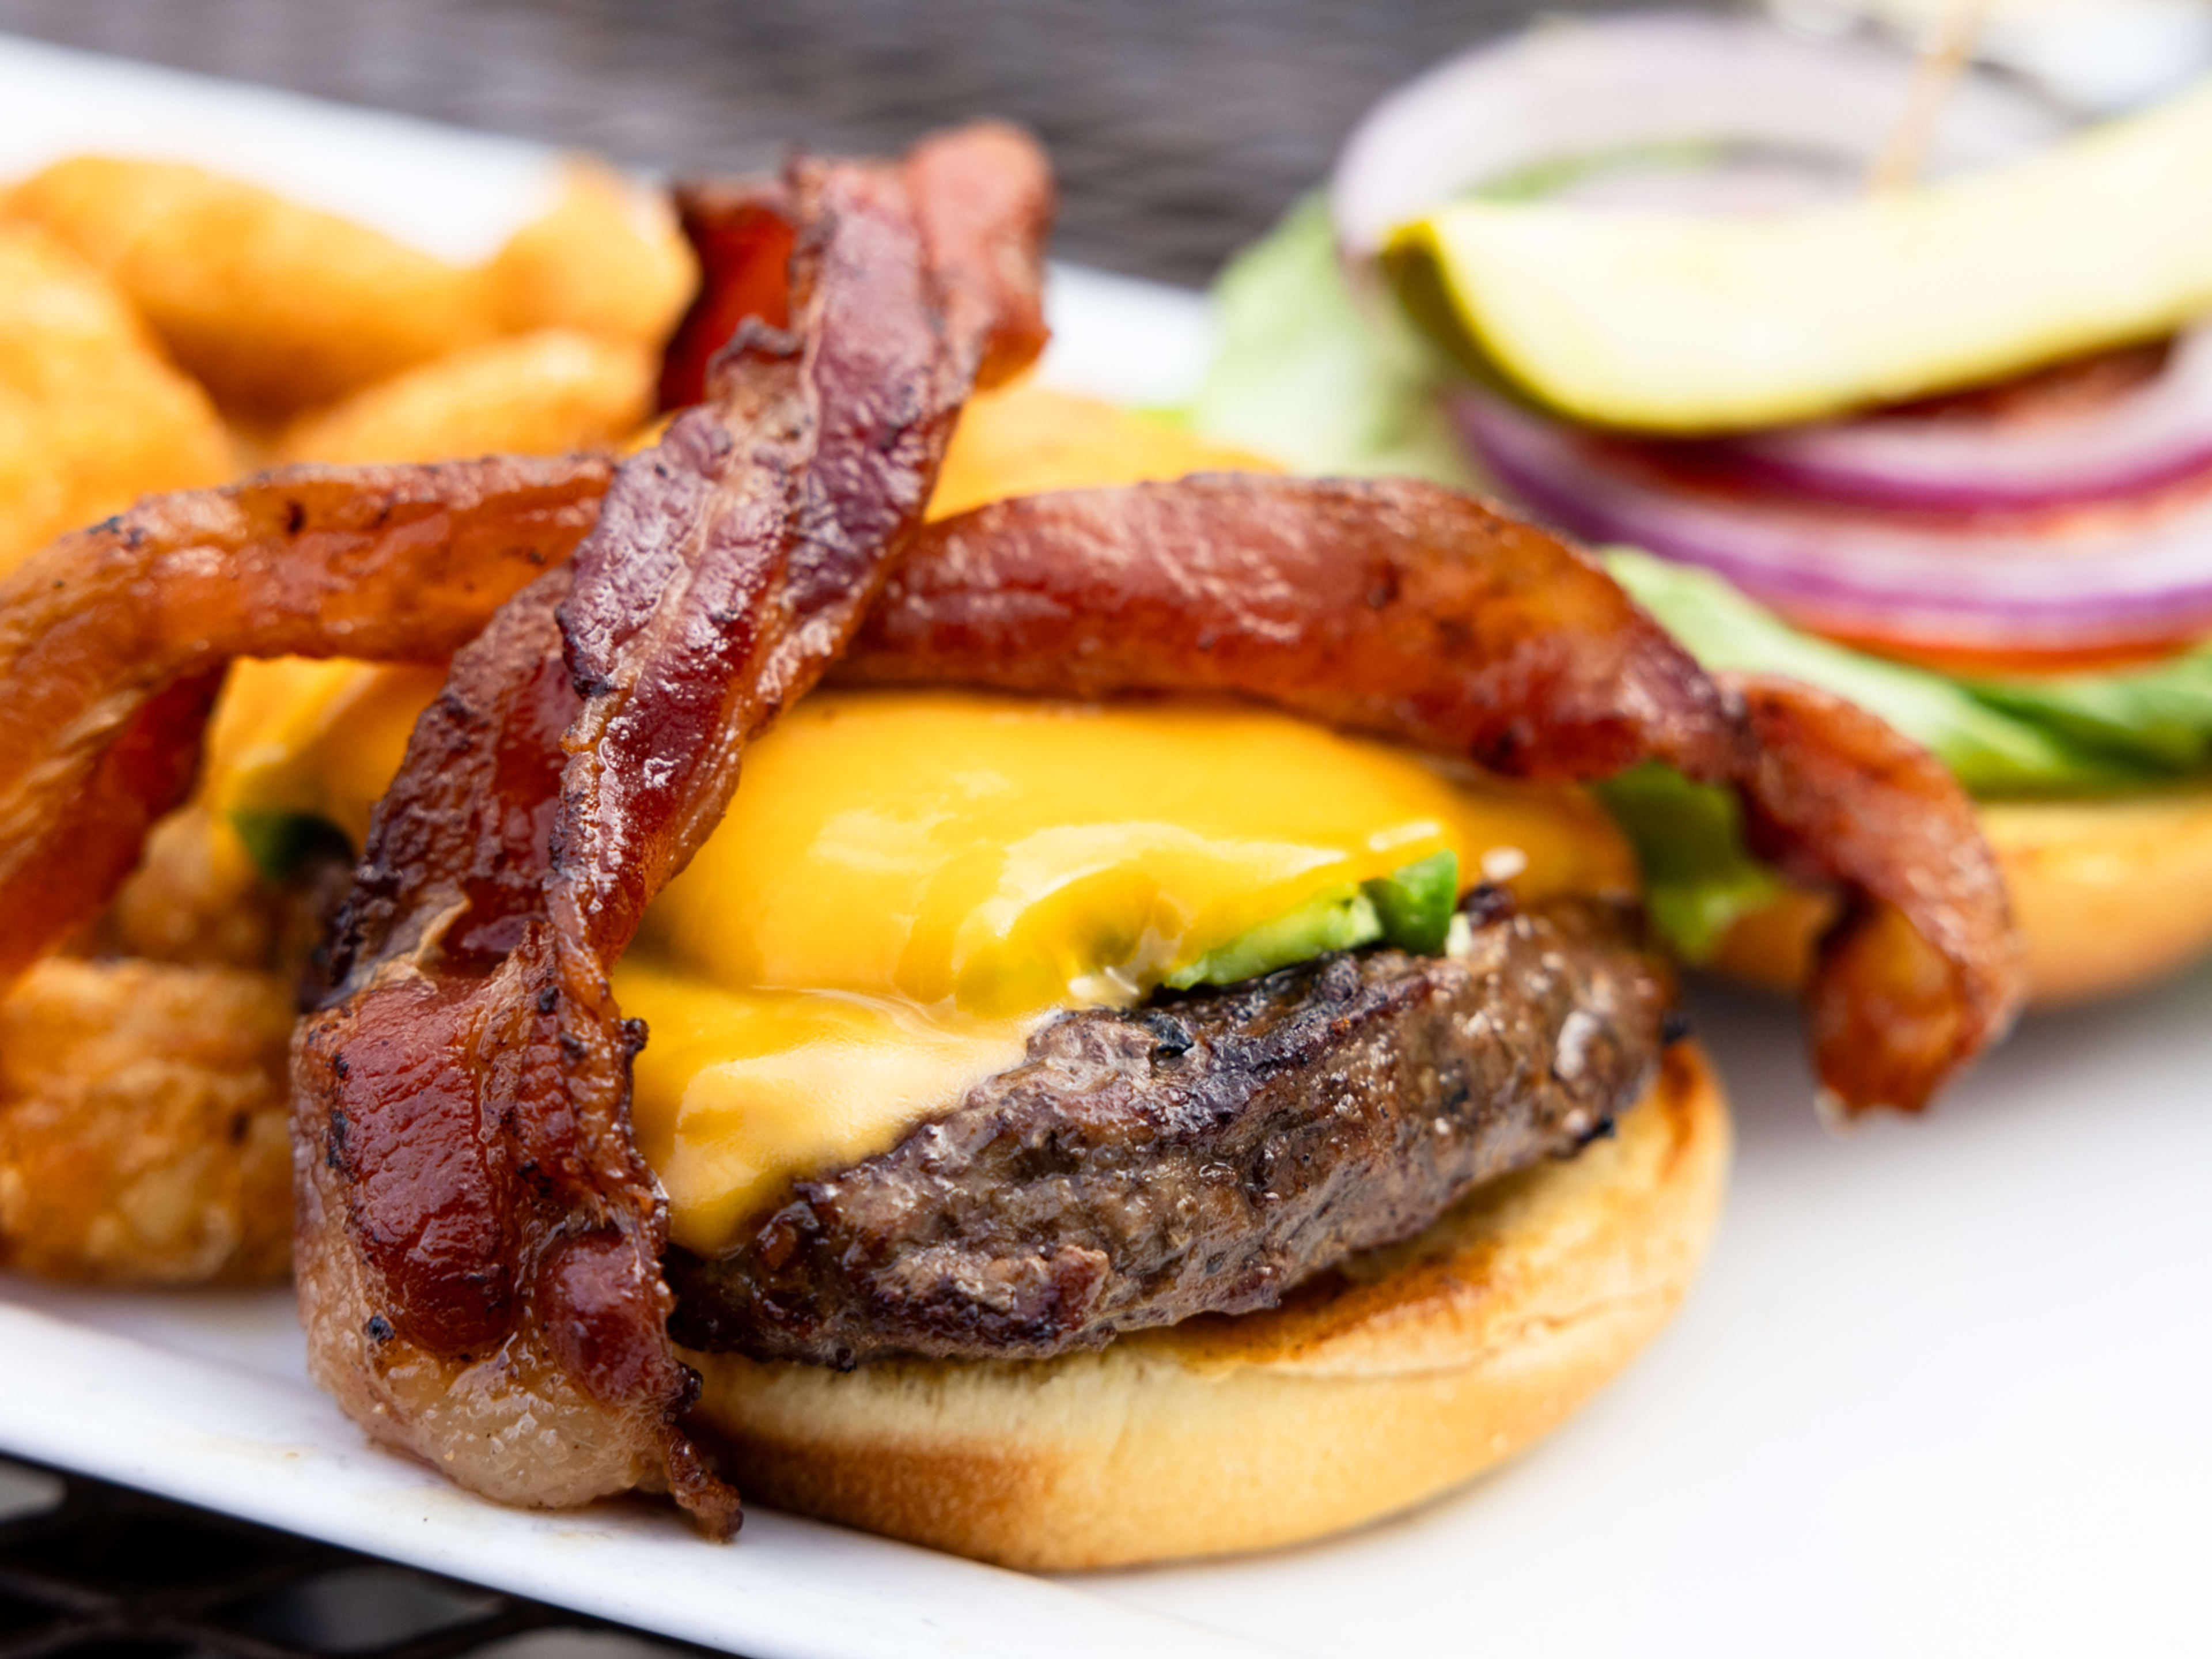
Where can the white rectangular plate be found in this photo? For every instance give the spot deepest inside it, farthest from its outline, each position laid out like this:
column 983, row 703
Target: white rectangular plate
column 1943, row 1388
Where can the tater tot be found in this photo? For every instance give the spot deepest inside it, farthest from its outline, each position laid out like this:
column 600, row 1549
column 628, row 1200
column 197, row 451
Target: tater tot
column 91, row 415
column 195, row 898
column 143, row 1100
column 142, row 1123
column 276, row 306
column 607, row 260
column 537, row 394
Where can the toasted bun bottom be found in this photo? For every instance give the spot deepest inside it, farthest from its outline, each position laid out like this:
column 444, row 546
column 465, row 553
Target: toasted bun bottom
column 2109, row 895
column 1399, row 1376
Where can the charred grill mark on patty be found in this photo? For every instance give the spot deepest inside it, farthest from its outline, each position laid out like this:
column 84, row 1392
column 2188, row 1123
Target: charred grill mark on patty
column 1202, row 1154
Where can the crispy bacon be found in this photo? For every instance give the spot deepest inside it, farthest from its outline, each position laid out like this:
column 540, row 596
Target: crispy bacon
column 1396, row 608
column 479, row 1243
column 1924, row 970
column 984, row 208
column 1407, row 611
column 985, row 205
column 113, row 640
column 743, row 234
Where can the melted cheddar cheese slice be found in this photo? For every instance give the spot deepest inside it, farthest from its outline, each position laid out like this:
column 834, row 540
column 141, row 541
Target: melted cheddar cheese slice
column 907, row 883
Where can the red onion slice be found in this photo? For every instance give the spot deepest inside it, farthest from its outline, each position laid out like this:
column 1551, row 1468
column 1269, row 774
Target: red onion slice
column 1790, row 116
column 2114, row 578
column 2139, row 441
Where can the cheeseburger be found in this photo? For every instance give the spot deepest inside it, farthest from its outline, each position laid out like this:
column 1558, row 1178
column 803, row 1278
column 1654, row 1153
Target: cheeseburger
column 1092, row 1021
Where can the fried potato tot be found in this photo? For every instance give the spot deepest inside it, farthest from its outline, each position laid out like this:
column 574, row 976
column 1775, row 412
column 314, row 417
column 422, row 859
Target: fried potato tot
column 143, row 1132
column 280, row 308
column 275, row 307
column 196, row 898
column 544, row 393
column 142, row 1106
column 91, row 415
column 607, row 260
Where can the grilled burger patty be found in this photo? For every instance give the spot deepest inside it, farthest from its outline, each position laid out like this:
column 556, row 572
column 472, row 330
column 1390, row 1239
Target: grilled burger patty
column 1203, row 1154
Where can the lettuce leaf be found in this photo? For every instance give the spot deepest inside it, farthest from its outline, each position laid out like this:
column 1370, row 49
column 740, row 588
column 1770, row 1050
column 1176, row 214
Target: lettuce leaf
column 1306, row 372
column 2159, row 719
column 1990, row 750
column 1698, row 875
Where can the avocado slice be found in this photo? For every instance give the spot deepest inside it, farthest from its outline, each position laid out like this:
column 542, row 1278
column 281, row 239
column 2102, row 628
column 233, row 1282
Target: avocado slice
column 1341, row 920
column 1411, row 908
column 1698, row 875
column 1674, row 323
column 1416, row 902
column 279, row 843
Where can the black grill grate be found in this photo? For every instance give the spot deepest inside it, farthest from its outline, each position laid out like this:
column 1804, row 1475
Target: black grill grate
column 89, row 1570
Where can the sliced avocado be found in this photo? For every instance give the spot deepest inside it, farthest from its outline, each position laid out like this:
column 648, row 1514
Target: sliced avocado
column 1416, row 903
column 1335, row 921
column 1698, row 875
column 1676, row 323
column 1411, row 908
column 280, row 842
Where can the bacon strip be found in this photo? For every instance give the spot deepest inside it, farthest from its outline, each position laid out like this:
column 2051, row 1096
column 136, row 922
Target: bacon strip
column 743, row 233
column 984, row 210
column 479, row 1243
column 985, row 205
column 113, row 640
column 1405, row 611
column 1395, row 608
column 1925, row 969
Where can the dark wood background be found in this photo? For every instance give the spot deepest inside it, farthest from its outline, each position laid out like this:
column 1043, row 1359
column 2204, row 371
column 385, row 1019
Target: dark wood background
column 1180, row 128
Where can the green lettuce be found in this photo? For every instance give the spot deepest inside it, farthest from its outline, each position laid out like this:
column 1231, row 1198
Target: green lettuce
column 1698, row 875
column 2060, row 734
column 1991, row 751
column 1305, row 372
column 2157, row 719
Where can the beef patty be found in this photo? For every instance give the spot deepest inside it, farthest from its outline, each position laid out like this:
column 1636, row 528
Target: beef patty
column 1202, row 1153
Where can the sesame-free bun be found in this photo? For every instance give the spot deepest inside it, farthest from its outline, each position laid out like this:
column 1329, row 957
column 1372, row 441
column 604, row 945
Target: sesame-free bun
column 2109, row 895
column 1399, row 1376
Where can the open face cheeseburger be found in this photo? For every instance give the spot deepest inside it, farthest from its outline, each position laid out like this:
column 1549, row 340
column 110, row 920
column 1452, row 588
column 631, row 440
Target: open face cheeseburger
column 1168, row 995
